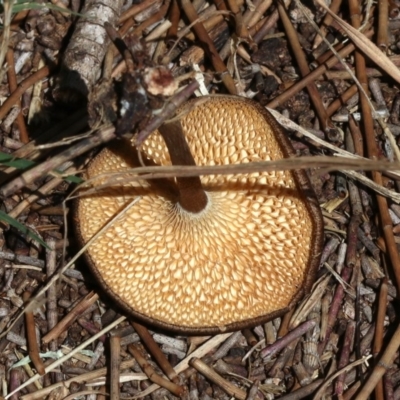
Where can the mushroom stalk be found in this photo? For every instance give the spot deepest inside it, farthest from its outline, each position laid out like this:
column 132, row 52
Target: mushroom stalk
column 192, row 196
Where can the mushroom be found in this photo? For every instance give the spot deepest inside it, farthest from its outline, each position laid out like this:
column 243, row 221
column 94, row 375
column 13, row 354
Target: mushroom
column 209, row 254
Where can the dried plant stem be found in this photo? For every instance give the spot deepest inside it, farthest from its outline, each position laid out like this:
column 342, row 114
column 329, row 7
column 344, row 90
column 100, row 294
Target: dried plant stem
column 156, row 352
column 75, row 313
column 51, row 300
column 88, row 377
column 304, row 68
column 382, row 366
column 383, row 22
column 387, row 225
column 5, row 37
column 357, row 137
column 153, row 19
column 209, row 373
column 226, row 346
column 209, row 47
column 200, row 352
column 33, row 348
column 103, row 136
column 345, row 355
column 326, row 23
column 271, row 350
column 345, row 370
column 152, row 375
column 58, row 362
column 136, row 9
column 174, row 17
column 12, row 83
column 284, row 326
column 365, row 45
column 343, row 164
column 335, row 307
column 241, row 28
column 74, row 123
column 115, row 365
column 42, row 191
column 303, row 392
column 379, row 332
column 252, row 17
column 22, row 87
column 312, row 76
column 341, row 100
column 268, row 24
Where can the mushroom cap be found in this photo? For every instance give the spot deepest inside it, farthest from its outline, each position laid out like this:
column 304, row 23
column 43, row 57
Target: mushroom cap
column 246, row 258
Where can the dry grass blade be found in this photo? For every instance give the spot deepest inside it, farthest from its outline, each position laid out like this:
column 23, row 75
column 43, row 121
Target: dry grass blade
column 55, row 364
column 365, row 45
column 321, row 390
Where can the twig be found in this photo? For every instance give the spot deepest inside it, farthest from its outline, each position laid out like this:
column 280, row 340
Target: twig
column 184, row 364
column 269, row 351
column 149, row 371
column 155, row 351
column 382, row 366
column 58, row 362
column 383, row 21
column 12, row 82
column 330, row 379
column 33, row 348
column 379, row 331
column 345, row 354
column 315, row 97
column 22, row 87
column 115, row 364
column 75, row 313
column 209, row 373
column 209, row 46
column 103, row 136
column 312, row 76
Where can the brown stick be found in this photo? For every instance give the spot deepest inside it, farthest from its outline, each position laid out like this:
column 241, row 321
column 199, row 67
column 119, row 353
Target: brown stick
column 304, row 69
column 174, row 17
column 334, row 7
column 209, row 47
column 12, row 83
column 379, row 331
column 382, row 366
column 344, row 356
column 312, row 76
column 373, row 153
column 156, row 352
column 75, row 313
column 31, row 175
column 152, row 375
column 269, row 351
column 22, row 87
column 33, row 348
column 383, row 21
column 343, row 98
column 115, row 362
column 209, row 373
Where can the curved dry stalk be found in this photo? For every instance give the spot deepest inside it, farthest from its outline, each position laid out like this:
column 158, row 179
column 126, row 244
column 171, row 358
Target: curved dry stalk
column 66, row 357
column 365, row 45
column 209, row 46
column 330, row 379
column 382, row 366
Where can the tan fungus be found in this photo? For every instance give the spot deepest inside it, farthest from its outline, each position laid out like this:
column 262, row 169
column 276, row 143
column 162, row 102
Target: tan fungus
column 244, row 258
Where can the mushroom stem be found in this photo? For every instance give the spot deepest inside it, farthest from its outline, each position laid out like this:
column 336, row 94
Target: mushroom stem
column 192, row 196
